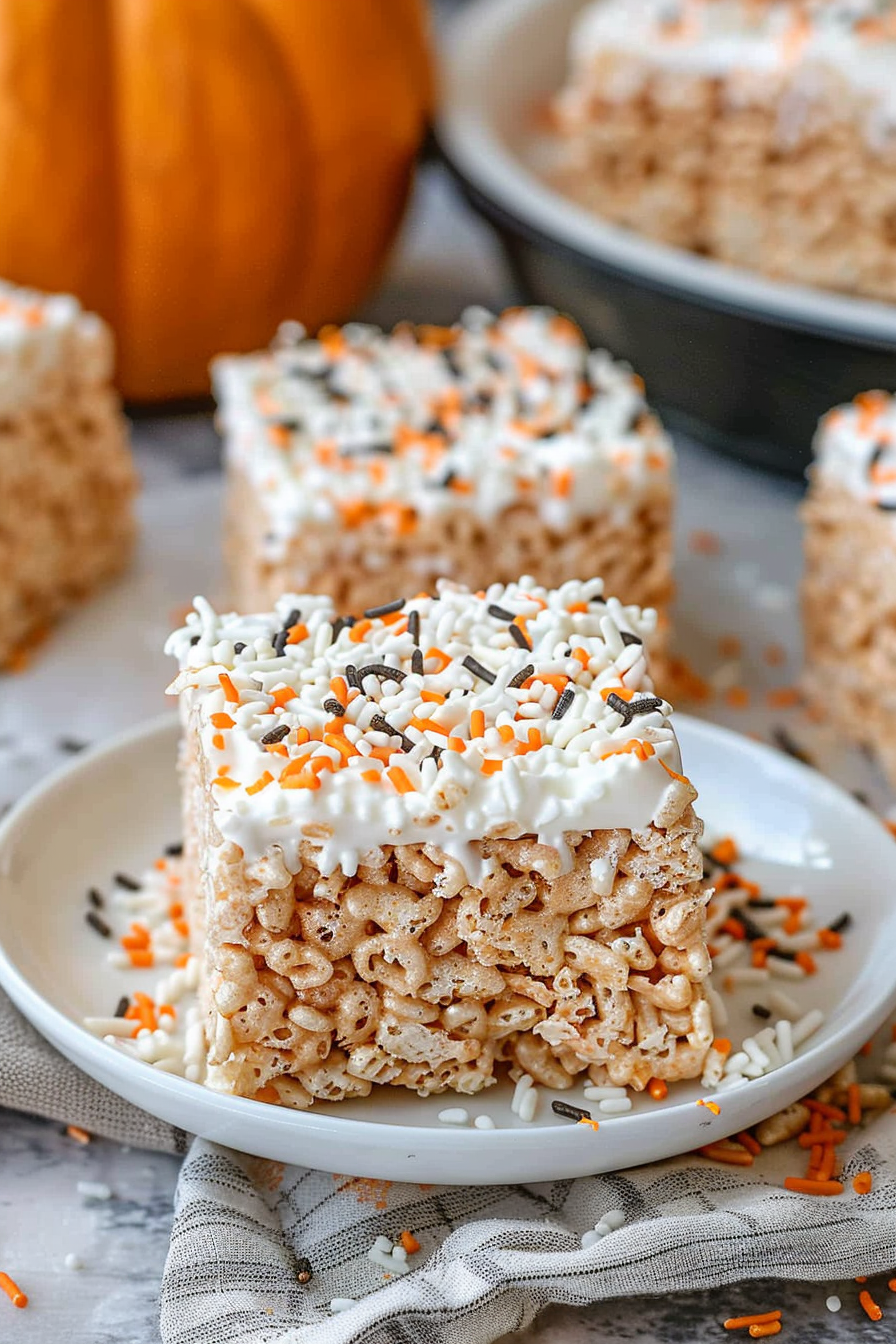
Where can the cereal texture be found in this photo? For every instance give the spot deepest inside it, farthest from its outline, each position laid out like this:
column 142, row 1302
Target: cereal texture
column 66, row 477
column 362, row 464
column 761, row 135
column 397, row 917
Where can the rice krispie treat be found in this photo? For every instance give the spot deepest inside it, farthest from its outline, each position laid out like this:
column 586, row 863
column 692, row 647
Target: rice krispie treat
column 362, row 464
column 760, row 132
column 446, row 836
column 849, row 587
column 66, row 475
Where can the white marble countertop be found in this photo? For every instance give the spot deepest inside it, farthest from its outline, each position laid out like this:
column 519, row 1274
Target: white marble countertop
column 446, row 260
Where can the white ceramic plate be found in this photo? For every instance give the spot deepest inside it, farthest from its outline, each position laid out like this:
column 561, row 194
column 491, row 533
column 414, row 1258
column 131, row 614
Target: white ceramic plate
column 116, row 807
column 485, row 127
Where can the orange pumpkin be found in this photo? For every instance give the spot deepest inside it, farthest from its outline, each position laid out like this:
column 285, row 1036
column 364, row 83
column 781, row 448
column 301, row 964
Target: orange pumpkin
column 198, row 170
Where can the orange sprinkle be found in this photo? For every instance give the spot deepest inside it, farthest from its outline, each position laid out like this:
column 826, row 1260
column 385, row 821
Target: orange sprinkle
column 357, row 632
column 737, row 697
column 141, row 958
column 634, row 747
column 722, row 1045
column 730, row 646
column 339, row 689
column 221, row 721
column 297, row 633
column 822, row 1108
column 561, row 482
column 868, row 1305
column 13, row 1291
column 429, row 726
column 218, row 741
column 725, row 851
column 443, row 658
column 577, row 608
column 370, row 776
column 891, row 1284
column 182, row 927
column 807, row 961
column 749, row 1143
column 282, row 696
column 261, row 783
column 223, row 782
column 682, row 779
column 821, row 1136
column 340, row 744
column 733, row 927
column 491, row 767
column 704, row 542
column 808, row 1187
column 762, row 1318
column 400, row 780
column 477, row 723
column 829, row 939
column 710, row 1106
column 409, row 1242
column 230, row 691
column 181, row 960
column 456, row 744
column 276, row 749
column 305, row 779
column 622, row 691
column 774, row 655
column 862, row 1182
column 77, row 1133
column 866, row 1048
column 436, row 698
column 658, row 1089
column 761, row 1331
column 783, row 697
column 731, row 1157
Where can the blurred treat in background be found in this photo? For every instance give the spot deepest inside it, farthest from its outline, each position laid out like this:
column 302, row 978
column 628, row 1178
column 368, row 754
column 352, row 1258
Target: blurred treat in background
column 708, row 187
column 194, row 171
column 66, row 477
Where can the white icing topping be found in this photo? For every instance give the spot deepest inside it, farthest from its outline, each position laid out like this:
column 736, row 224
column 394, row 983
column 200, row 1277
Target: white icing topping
column 477, row 417
column 856, row 447
column 856, row 39
column 503, row 759
column 44, row 335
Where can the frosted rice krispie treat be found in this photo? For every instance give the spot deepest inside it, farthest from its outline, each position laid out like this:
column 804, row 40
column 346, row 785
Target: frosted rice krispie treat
column 761, row 132
column 849, row 587
column 362, row 464
column 444, row 837
column 66, row 475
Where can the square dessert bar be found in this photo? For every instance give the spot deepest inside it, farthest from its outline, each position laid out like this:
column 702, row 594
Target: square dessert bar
column 849, row 586
column 66, row 476
column 445, row 838
column 759, row 132
column 362, row 464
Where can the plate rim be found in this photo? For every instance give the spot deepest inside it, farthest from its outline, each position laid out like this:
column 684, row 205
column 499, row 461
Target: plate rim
column 505, row 188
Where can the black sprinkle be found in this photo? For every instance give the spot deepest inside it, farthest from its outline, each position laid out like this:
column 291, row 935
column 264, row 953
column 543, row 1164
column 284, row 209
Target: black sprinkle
column 381, row 724
column 523, row 675
column 383, row 671
column 447, row 480
column 621, row 707
column 71, row 744
column 646, row 705
column 628, row 638
column 174, row 851
column 95, row 898
column 861, row 797
column 292, row 619
column 840, row 924
column 499, row 613
column 472, row 665
column 886, row 506
column 760, row 1010
column 97, row 922
column 784, row 742
column 751, row 928
column 280, row 642
column 571, row 1112
column 239, row 646
column 122, row 1006
column 876, row 455
column 780, row 953
column 436, row 754
column 342, row 623
column 762, row 902
column 451, row 363
column 519, row 637
column 417, row 662
column 304, row 1272
column 351, row 676
column 194, row 640
column 129, row 883
column 386, row 610
column 414, row 626
column 334, row 706
column 563, row 703
column 275, row 735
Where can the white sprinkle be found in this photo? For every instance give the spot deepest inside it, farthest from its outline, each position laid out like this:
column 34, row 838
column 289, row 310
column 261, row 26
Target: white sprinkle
column 731, row 1080
column 614, row 1219
column 483, row 1122
column 728, row 955
column 382, row 1244
column 603, row 1092
column 590, row 1238
column 773, row 597
column 454, row 1115
column 522, row 1087
column 94, row 1190
column 766, row 1041
column 73, row 1261
column 890, row 1053
column 806, row 1027
column 888, row 1073
column 784, row 1039
column 528, row 1105
column 833, row 1302
column 615, row 1105
column 716, row 1006
column 785, row 970
column 736, row 1062
column 782, row 1003
column 338, row 1304
column 746, row 975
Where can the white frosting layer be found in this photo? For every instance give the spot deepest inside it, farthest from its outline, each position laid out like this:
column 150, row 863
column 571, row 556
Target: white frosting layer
column 45, row 335
column 460, row 757
column 856, row 39
column 855, row 447
column 404, row 426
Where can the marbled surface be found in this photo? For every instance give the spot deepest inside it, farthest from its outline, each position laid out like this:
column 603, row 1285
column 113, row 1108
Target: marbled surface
column 446, row 261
